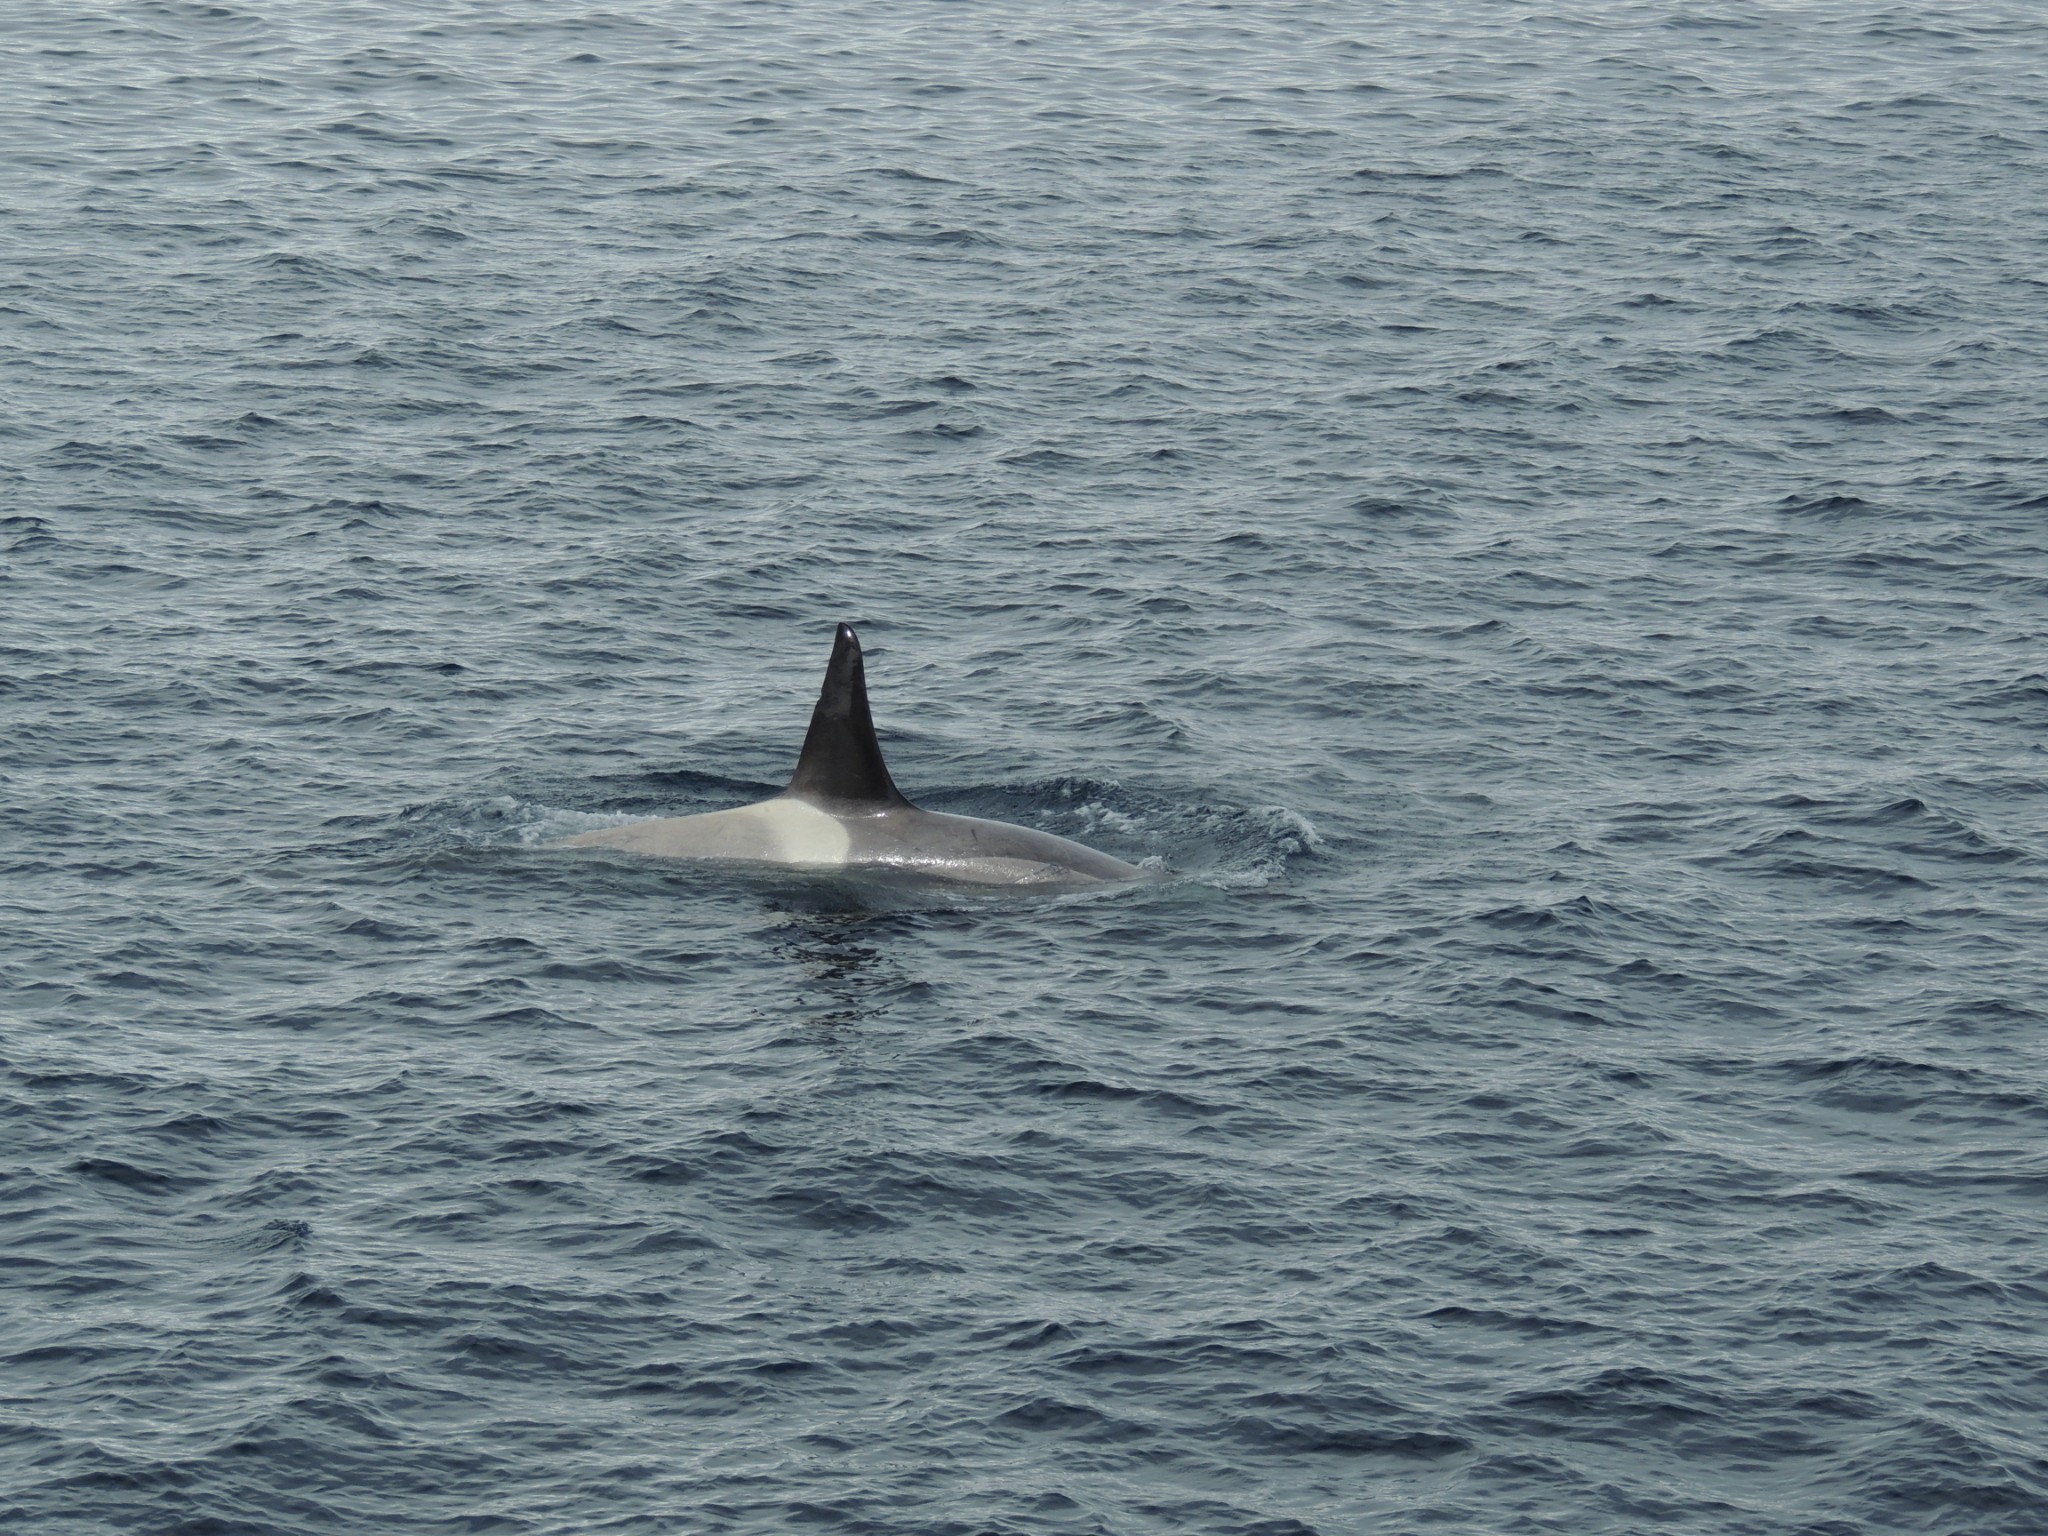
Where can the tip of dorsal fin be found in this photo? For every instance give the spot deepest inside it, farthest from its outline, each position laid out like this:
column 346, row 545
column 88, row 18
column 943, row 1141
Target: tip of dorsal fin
column 841, row 759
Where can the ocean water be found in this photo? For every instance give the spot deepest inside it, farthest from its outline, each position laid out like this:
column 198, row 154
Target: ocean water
column 1534, row 515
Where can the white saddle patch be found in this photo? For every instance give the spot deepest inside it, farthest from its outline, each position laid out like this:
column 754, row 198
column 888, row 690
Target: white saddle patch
column 801, row 833
column 767, row 832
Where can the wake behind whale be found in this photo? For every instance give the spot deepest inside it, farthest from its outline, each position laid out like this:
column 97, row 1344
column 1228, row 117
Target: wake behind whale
column 842, row 811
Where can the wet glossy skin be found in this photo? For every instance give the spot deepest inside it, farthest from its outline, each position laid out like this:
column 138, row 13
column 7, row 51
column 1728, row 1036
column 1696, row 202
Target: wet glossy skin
column 842, row 811
column 799, row 832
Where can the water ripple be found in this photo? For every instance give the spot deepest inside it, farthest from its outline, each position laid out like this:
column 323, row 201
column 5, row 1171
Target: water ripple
column 1531, row 519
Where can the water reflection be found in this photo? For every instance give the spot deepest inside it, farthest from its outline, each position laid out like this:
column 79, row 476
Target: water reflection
column 845, row 971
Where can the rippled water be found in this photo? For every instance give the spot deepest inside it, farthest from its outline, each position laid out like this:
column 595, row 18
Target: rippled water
column 1534, row 515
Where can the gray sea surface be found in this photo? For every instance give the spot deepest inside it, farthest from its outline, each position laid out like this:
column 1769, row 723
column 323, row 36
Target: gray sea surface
column 1536, row 515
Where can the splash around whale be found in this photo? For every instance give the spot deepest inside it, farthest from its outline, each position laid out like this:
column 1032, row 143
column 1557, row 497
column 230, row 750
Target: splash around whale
column 842, row 811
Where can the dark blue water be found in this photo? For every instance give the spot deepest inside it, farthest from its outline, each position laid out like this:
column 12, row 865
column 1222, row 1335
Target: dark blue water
column 1536, row 516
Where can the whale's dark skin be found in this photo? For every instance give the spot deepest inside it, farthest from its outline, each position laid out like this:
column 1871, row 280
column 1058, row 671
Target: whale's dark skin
column 842, row 811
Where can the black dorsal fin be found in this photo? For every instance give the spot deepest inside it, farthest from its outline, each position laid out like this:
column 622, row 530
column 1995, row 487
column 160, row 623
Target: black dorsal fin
column 841, row 758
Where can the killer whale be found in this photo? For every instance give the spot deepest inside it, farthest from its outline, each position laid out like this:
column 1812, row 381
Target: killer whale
column 842, row 811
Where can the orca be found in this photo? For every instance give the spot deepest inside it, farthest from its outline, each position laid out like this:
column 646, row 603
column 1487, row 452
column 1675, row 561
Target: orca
column 842, row 811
